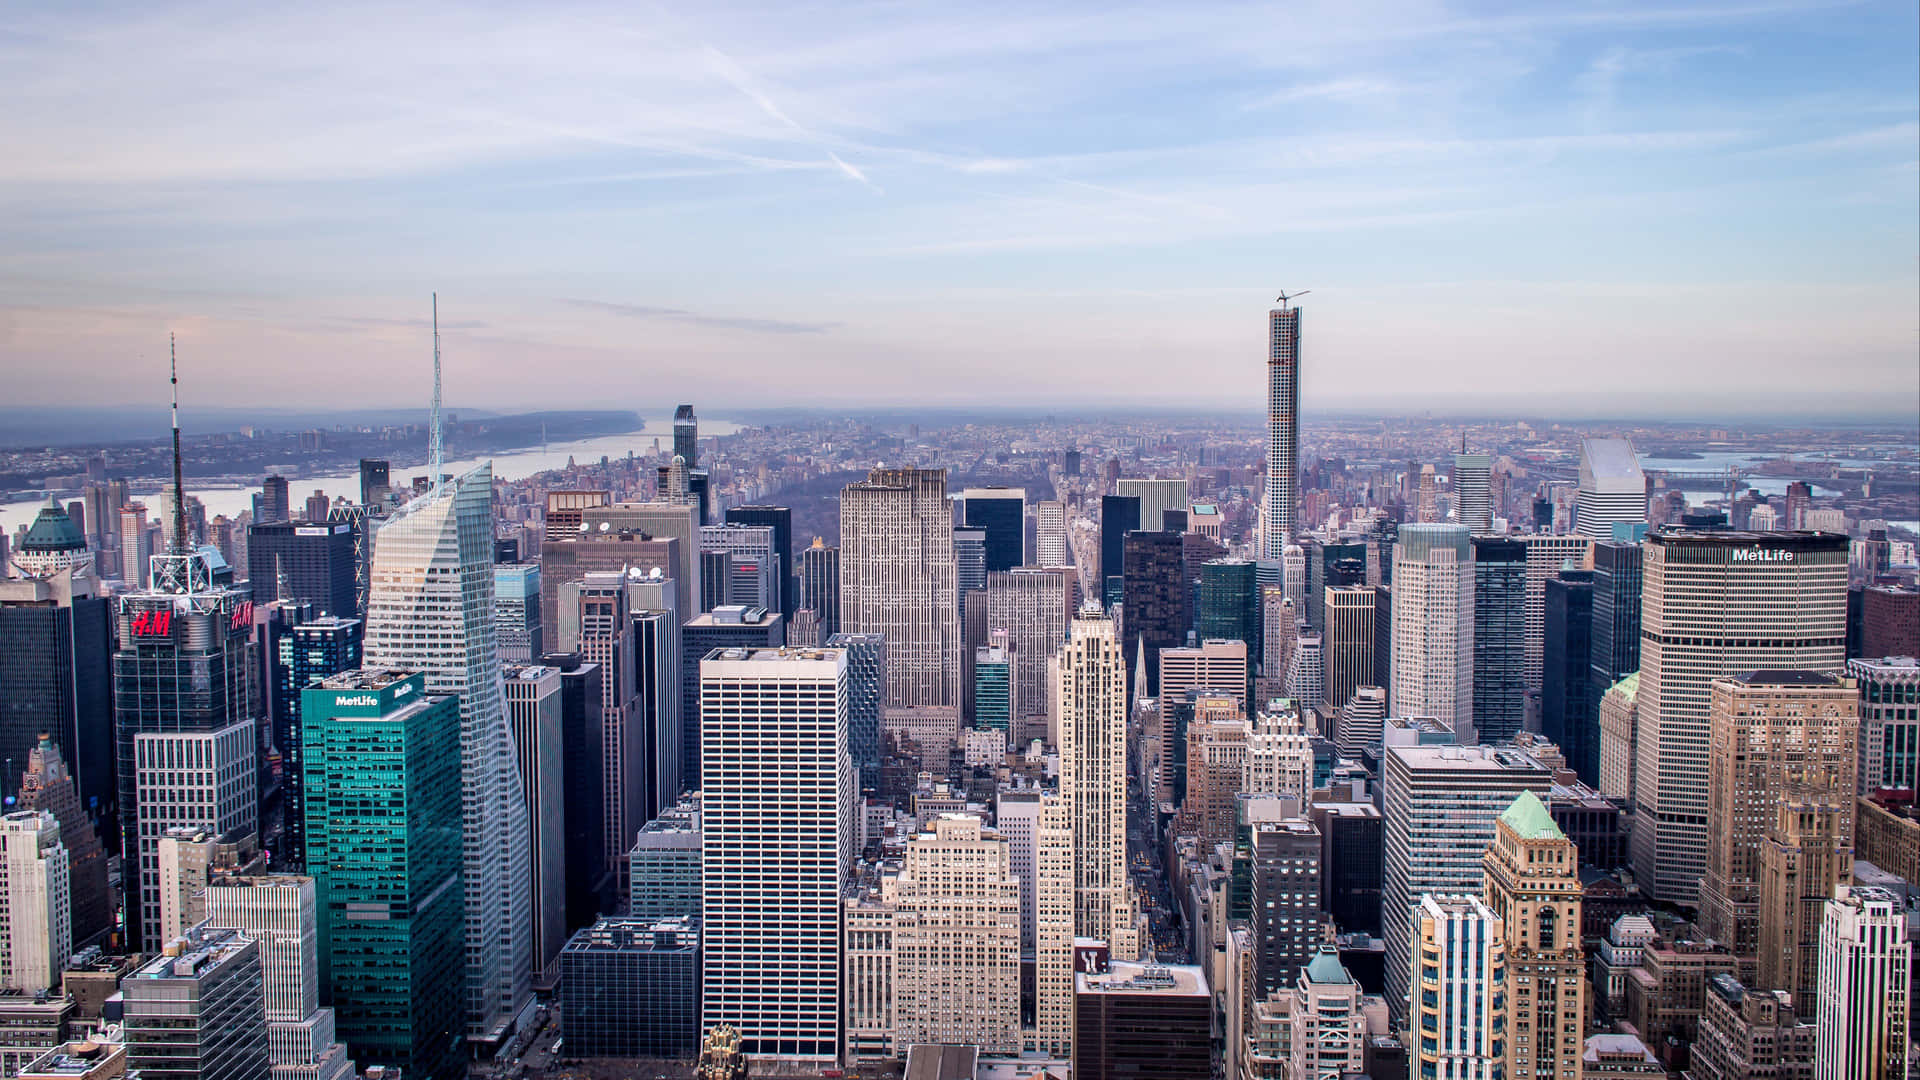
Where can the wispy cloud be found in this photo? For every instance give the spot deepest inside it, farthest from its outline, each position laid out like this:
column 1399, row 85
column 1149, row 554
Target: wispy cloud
column 694, row 318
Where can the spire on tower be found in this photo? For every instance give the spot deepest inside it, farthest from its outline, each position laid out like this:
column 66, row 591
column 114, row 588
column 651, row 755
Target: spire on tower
column 179, row 489
column 435, row 449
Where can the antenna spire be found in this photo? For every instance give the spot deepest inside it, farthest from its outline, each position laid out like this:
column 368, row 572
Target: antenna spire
column 179, row 488
column 435, row 449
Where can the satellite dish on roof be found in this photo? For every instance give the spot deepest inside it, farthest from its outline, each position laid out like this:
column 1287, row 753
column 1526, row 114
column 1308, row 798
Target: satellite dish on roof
column 605, row 525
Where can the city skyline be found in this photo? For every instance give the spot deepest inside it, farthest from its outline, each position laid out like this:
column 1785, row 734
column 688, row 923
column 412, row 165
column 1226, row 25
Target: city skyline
column 897, row 196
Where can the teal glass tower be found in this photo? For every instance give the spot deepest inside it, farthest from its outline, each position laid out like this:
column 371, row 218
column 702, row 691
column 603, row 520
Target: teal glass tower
column 384, row 850
column 993, row 688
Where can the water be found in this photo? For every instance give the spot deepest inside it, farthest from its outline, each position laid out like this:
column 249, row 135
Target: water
column 510, row 465
column 1717, row 460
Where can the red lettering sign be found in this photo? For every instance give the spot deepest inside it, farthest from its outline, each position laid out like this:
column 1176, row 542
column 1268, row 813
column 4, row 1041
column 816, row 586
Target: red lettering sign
column 153, row 624
column 242, row 615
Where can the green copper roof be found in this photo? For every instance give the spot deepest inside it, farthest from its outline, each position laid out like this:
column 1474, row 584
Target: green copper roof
column 1528, row 817
column 1629, row 684
column 53, row 530
column 1325, row 967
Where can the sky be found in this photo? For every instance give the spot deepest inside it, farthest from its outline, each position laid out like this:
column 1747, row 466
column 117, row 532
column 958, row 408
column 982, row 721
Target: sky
column 1632, row 206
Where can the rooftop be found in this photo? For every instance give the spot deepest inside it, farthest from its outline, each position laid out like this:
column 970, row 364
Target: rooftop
column 363, row 679
column 1784, row 677
column 1529, row 819
column 1121, row 977
column 1325, row 967
column 1610, row 460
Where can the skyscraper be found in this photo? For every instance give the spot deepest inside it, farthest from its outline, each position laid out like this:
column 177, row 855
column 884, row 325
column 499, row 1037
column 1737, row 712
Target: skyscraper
column 993, row 705
column 725, row 627
column 1472, row 492
column 820, row 585
column 1889, row 723
column 374, row 483
column 1772, row 735
column 1348, row 642
column 1091, row 692
column 384, row 846
column 595, row 610
column 1614, row 649
column 1612, row 488
column 1716, row 604
column 1433, row 626
column 315, row 560
column 1287, row 884
column 1533, row 885
column 1119, row 515
column 1279, row 514
column 535, row 713
column 1808, row 852
column 1499, row 637
column 1229, row 603
column 778, row 837
column 275, row 504
column 1154, row 592
column 956, row 939
column 516, row 611
column 1463, row 980
column 1865, row 987
column 308, row 651
column 49, row 786
column 897, row 578
column 281, row 912
column 686, row 435
column 780, row 520
column 431, row 610
column 1050, row 544
column 36, row 936
column 1034, row 607
column 56, row 644
column 866, row 699
column 202, row 1003
column 750, row 561
column 1568, row 715
column 1000, row 512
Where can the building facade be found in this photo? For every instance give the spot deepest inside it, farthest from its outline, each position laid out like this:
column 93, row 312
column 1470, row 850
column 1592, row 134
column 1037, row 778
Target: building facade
column 897, row 578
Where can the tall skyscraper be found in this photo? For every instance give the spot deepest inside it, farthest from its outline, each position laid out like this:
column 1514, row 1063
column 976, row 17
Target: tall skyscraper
column 1463, row 980
column 314, row 560
column 590, row 885
column 595, row 608
column 956, row 939
column 1156, row 598
column 897, row 578
column 49, row 786
column 1141, row 1021
column 1569, row 718
column 1119, row 515
column 686, row 435
column 56, row 645
column 186, row 689
column 1439, row 804
column 281, row 912
column 385, row 839
column 1034, row 607
column 993, row 704
column 725, row 627
column 820, row 585
column 275, row 504
column 535, row 713
column 1499, row 637
column 516, row 612
column 1091, row 692
column 308, row 651
column 1772, row 735
column 1433, row 626
column 1229, row 603
column 750, row 560
column 1533, row 887
column 1279, row 515
column 1866, row 976
column 1716, row 604
column 1000, row 512
column 203, row 1003
column 374, row 482
column 1614, row 649
column 1348, row 641
column 1612, row 488
column 1287, row 883
column 1808, row 852
column 1472, row 492
column 778, row 835
column 431, row 610
column 866, row 699
column 36, row 936
column 1889, row 723
column 780, row 520
column 1050, row 544
column 969, row 562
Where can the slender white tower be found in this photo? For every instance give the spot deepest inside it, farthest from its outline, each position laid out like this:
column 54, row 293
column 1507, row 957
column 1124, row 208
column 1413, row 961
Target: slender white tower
column 1283, row 428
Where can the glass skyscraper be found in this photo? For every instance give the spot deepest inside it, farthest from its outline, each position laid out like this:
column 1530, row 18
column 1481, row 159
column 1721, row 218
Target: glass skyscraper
column 1499, row 637
column 384, row 847
column 1283, row 431
column 309, row 652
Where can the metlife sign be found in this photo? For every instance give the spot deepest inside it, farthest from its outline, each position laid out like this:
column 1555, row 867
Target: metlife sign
column 1761, row 555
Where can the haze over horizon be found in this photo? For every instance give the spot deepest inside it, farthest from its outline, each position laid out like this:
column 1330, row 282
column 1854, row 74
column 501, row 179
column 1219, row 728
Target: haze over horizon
column 1657, row 209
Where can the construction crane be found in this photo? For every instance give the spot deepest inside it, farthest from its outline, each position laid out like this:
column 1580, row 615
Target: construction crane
column 1284, row 297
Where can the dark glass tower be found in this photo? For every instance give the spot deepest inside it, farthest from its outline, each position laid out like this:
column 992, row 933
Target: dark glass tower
column 1569, row 714
column 1499, row 637
column 1119, row 515
column 1002, row 514
column 1229, row 602
column 307, row 653
column 727, row 627
column 1154, row 590
column 589, row 884
column 1329, row 565
column 317, row 559
column 373, row 481
column 780, row 520
column 820, row 585
column 686, row 435
column 55, row 642
column 866, row 693
column 1615, row 647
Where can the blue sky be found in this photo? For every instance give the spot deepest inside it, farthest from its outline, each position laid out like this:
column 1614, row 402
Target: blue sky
column 1630, row 206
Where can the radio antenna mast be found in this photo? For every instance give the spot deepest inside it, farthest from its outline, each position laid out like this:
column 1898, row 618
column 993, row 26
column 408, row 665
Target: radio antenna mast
column 179, row 489
column 435, row 449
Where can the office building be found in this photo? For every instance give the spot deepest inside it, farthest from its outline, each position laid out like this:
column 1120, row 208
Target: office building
column 664, row 866
column 969, row 562
column 1119, row 515
column 596, row 619
column 1773, row 735
column 1499, row 636
column 748, row 562
column 780, row 519
column 1612, row 489
column 1001, row 513
column 1473, row 492
column 281, row 913
column 778, row 836
column 275, row 504
column 35, row 888
column 1456, row 1020
column 1866, row 971
column 431, row 610
column 1156, row 598
column 1433, row 631
column 56, row 647
column 590, row 885
column 993, row 703
column 1746, row 1034
column 956, row 939
column 1091, row 692
column 820, row 585
column 1278, row 756
column 657, row 697
column 686, row 435
column 1716, row 604
column 1347, row 641
column 1439, row 804
column 534, row 713
column 186, row 692
column 1350, row 864
column 1889, row 723
column 49, row 786
column 1215, row 667
column 1614, row 647
column 1889, row 621
column 1307, row 671
column 374, row 481
column 1568, row 717
column 1361, row 721
column 1315, row 1028
column 386, row 849
column 1287, row 883
column 570, row 559
column 1229, row 603
column 630, row 988
column 1533, row 888
column 1034, row 607
column 866, row 700
column 1280, row 508
column 314, row 561
column 1547, row 557
column 516, row 612
column 198, row 1010
column 1050, row 544
column 897, row 579
column 1157, row 498
column 1142, row 1022
column 1806, row 853
column 725, row 627
column 303, row 653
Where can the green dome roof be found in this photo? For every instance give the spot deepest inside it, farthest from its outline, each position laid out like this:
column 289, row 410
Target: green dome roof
column 1529, row 818
column 53, row 531
column 1325, row 967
